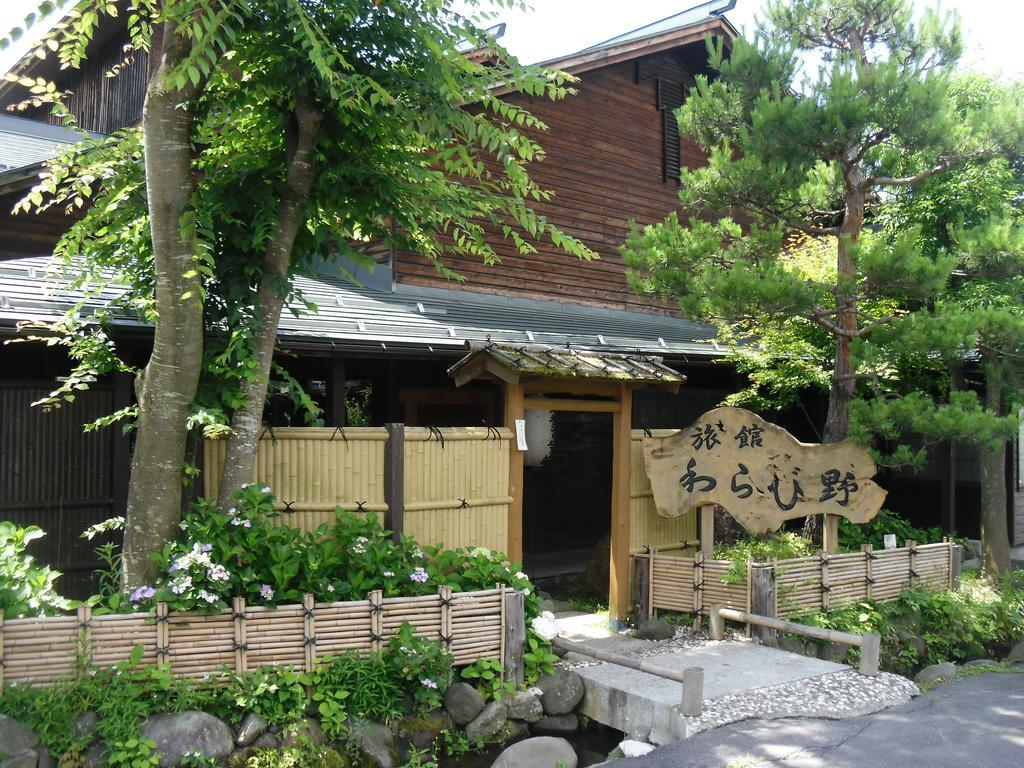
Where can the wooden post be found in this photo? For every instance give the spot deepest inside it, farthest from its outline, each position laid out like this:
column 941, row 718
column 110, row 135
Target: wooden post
column 238, row 612
column 376, row 620
column 762, row 598
column 338, row 392
column 618, row 581
column 716, row 623
column 514, row 633
column 444, row 594
column 869, row 576
column 394, row 479
column 514, row 410
column 163, row 635
column 309, row 630
column 693, row 692
column 830, row 533
column 1, row 650
column 85, row 632
column 707, row 529
column 956, row 558
column 698, row 584
column 642, row 586
column 912, row 561
column 825, row 586
column 869, row 649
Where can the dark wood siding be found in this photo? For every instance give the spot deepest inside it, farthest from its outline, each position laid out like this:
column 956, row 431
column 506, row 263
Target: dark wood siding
column 30, row 234
column 605, row 165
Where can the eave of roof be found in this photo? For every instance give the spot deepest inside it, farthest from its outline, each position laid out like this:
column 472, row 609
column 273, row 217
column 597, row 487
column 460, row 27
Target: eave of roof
column 409, row 320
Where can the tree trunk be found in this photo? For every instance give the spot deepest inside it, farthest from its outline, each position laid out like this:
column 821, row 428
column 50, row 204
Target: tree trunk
column 167, row 386
column 995, row 539
column 240, row 456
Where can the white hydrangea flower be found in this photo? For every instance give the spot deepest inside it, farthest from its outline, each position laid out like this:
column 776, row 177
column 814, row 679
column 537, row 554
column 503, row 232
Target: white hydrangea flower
column 546, row 626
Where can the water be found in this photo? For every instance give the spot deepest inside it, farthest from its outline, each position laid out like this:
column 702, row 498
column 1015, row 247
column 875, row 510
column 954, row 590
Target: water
column 592, row 747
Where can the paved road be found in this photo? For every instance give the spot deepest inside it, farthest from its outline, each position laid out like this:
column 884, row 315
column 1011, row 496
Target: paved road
column 974, row 722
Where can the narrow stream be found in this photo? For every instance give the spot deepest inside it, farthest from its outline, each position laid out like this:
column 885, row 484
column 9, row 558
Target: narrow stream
column 592, row 747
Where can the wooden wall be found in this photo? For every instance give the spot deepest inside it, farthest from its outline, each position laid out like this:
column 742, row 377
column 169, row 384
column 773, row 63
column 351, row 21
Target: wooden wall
column 604, row 164
column 646, row 526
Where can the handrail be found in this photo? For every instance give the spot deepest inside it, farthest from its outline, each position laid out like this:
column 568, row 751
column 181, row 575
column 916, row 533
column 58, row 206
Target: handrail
column 869, row 643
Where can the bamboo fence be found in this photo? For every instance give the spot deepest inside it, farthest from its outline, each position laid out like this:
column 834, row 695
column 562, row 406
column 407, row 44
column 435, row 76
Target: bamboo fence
column 802, row 585
column 470, row 624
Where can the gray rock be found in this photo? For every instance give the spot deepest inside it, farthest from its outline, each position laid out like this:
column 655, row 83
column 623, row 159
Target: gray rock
column 792, row 644
column 463, row 702
column 660, row 738
column 240, row 757
column 85, row 725
column 488, row 723
column 95, row 756
column 422, row 731
column 375, row 742
column 1017, row 652
column 538, row 752
column 306, row 730
column 655, row 629
column 267, row 741
column 15, row 737
column 178, row 734
column 525, row 706
column 514, row 730
column 835, row 652
column 982, row 663
column 22, row 758
column 253, row 726
column 45, row 758
column 912, row 641
column 560, row 692
column 557, row 724
column 936, row 673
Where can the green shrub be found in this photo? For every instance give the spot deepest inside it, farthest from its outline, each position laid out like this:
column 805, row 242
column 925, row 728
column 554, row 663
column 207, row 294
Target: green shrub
column 26, row 589
column 853, row 535
column 780, row 546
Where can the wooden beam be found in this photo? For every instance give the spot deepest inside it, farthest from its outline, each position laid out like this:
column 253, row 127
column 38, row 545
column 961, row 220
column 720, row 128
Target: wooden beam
column 830, row 533
column 394, row 479
column 600, row 387
column 338, row 392
column 618, row 582
column 706, row 523
column 578, row 406
column 514, row 410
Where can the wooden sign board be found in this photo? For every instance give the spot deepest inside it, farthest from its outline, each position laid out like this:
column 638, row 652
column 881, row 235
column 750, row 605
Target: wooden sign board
column 758, row 472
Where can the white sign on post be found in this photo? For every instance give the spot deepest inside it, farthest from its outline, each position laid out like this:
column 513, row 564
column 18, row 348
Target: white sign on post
column 521, row 434
column 890, row 540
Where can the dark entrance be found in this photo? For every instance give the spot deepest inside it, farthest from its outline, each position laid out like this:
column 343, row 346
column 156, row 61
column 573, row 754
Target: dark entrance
column 567, row 498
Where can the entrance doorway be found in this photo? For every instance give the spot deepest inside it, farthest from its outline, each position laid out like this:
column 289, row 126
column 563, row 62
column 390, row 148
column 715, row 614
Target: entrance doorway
column 567, row 496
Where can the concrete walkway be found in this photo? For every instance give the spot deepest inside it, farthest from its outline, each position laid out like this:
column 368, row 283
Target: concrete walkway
column 974, row 722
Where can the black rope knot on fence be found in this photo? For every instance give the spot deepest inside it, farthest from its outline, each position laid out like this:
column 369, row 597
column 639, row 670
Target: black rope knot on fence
column 436, row 434
column 239, row 646
column 342, row 431
column 270, row 429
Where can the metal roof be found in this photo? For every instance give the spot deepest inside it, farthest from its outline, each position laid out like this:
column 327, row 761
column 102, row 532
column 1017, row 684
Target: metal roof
column 560, row 362
column 28, row 142
column 361, row 317
column 674, row 23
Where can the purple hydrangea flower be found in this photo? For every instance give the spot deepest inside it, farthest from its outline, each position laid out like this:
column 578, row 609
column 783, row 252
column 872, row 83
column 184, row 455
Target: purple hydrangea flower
column 419, row 575
column 142, row 593
column 267, row 592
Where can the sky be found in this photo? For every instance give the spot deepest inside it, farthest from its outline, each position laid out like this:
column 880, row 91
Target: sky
column 555, row 27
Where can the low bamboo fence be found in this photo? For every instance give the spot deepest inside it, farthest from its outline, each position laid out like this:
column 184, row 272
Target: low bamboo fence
column 471, row 625
column 802, row 585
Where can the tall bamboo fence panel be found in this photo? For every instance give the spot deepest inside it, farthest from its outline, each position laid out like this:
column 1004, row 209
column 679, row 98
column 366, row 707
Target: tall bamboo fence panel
column 802, row 585
column 197, row 645
column 456, row 486
column 313, row 471
column 646, row 526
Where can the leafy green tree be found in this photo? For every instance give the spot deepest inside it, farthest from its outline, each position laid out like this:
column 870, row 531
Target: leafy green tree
column 275, row 133
column 830, row 108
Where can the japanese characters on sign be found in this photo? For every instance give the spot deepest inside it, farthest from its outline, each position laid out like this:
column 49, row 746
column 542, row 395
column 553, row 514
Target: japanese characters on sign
column 758, row 472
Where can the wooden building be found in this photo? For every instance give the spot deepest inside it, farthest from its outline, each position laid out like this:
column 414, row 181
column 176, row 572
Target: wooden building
column 380, row 349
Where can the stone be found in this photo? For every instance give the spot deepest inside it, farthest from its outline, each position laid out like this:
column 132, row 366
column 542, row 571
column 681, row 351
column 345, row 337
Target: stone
column 836, row 652
column 660, row 737
column 95, row 756
column 514, row 730
column 420, row 732
column 631, row 748
column 525, row 706
column 178, row 734
column 45, row 758
column 792, row 644
column 375, row 743
column 463, row 702
column 253, row 726
column 488, row 723
column 15, row 737
column 1017, row 652
column 22, row 758
column 557, row 724
column 85, row 726
column 561, row 692
column 936, row 673
column 306, row 730
column 267, row 741
column 655, row 629
column 538, row 752
column 912, row 641
column 239, row 757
